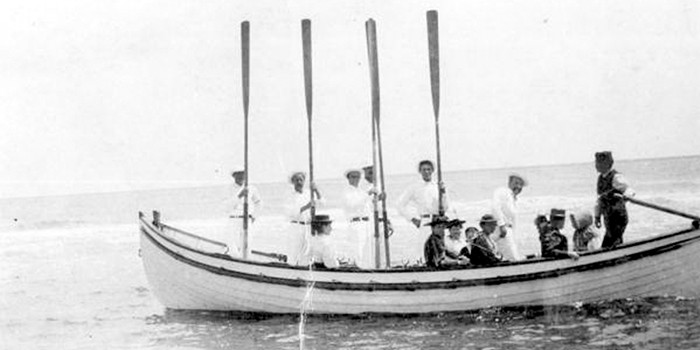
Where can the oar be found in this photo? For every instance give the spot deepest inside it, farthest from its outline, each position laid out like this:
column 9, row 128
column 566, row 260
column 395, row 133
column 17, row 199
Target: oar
column 280, row 257
column 245, row 67
column 306, row 44
column 660, row 208
column 371, row 31
column 434, row 55
column 376, row 133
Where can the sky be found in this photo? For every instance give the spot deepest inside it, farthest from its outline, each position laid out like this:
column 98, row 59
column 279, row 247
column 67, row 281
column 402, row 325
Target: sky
column 138, row 94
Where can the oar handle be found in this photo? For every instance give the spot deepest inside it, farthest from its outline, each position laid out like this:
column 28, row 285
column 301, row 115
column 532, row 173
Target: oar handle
column 660, row 208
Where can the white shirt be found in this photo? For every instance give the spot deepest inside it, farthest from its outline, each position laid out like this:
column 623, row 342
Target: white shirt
column 356, row 202
column 455, row 246
column 297, row 200
column 504, row 207
column 321, row 250
column 234, row 204
column 421, row 199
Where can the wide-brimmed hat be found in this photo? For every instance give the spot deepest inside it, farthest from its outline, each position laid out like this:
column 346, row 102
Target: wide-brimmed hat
column 488, row 218
column 455, row 223
column 321, row 219
column 352, row 170
column 438, row 220
column 295, row 173
column 557, row 214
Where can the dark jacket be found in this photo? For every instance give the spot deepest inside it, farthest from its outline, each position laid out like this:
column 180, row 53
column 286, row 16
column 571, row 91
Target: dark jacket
column 554, row 244
column 482, row 253
column 434, row 251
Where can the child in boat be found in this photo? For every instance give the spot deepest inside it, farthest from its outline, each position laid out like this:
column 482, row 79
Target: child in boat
column 455, row 243
column 469, row 234
column 554, row 244
column 321, row 250
column 434, row 247
column 483, row 247
column 585, row 237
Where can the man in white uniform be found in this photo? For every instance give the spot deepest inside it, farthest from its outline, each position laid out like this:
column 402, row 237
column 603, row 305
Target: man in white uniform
column 357, row 205
column 504, row 208
column 420, row 202
column 234, row 210
column 298, row 214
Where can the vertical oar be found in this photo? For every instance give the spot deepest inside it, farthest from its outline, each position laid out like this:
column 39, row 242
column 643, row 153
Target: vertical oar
column 245, row 68
column 371, row 31
column 306, row 44
column 434, row 55
column 376, row 136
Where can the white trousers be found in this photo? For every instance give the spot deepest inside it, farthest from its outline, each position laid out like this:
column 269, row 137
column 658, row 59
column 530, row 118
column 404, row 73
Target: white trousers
column 298, row 244
column 506, row 245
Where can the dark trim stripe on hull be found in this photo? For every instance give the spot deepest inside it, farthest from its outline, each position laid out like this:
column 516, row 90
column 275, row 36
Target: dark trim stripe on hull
column 453, row 284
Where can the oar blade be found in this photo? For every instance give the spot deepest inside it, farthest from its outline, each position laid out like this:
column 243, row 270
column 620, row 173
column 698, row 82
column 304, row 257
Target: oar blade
column 306, row 44
column 371, row 29
column 245, row 63
column 434, row 56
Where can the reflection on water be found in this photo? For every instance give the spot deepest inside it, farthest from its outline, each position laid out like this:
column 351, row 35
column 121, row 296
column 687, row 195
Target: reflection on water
column 651, row 323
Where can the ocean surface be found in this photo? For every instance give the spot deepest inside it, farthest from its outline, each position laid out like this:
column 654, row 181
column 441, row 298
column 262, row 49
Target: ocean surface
column 72, row 278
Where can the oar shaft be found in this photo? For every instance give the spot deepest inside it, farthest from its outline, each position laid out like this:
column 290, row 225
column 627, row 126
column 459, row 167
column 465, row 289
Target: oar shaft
column 371, row 31
column 306, row 46
column 658, row 207
column 245, row 68
column 434, row 60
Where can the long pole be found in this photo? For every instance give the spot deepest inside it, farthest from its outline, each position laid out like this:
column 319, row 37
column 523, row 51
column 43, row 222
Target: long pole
column 245, row 67
column 306, row 44
column 371, row 29
column 658, row 207
column 434, row 55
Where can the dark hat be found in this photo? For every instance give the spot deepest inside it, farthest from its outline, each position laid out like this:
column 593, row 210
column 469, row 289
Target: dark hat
column 557, row 214
column 437, row 220
column 237, row 171
column 321, row 219
column 455, row 222
column 487, row 219
column 603, row 156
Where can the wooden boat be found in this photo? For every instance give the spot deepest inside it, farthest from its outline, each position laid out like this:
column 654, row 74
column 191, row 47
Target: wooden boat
column 184, row 275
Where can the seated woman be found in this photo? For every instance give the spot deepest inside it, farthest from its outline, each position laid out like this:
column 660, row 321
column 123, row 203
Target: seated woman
column 554, row 244
column 321, row 250
column 455, row 243
column 585, row 237
column 483, row 247
column 434, row 247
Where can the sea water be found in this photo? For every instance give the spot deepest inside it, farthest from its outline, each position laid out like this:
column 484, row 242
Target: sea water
column 72, row 278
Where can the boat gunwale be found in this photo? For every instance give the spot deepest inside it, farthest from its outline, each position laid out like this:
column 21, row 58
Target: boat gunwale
column 411, row 268
column 427, row 285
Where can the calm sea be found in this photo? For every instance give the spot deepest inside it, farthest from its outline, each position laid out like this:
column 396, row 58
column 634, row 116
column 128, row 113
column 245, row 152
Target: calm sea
column 72, row 278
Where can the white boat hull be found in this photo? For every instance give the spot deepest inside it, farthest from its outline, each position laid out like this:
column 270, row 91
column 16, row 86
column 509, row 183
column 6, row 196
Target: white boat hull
column 182, row 277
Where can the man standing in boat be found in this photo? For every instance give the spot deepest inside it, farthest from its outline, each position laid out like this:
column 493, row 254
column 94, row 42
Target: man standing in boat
column 504, row 209
column 356, row 205
column 298, row 212
column 420, row 202
column 372, row 186
column 234, row 207
column 611, row 184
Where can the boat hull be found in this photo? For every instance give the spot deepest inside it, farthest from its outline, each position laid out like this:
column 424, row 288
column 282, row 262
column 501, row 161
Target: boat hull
column 183, row 277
